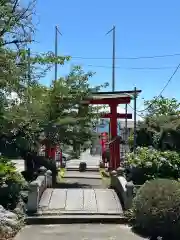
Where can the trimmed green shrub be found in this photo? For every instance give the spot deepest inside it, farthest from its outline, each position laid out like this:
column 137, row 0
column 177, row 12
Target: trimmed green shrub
column 156, row 209
column 149, row 163
column 101, row 165
column 82, row 166
column 11, row 184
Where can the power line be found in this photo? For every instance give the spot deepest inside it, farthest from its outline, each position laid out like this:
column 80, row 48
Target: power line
column 136, row 111
column 166, row 85
column 119, row 67
column 121, row 58
column 130, row 68
column 129, row 58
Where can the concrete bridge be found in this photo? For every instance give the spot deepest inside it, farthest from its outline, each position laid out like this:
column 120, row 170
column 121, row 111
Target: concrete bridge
column 79, row 196
column 78, row 200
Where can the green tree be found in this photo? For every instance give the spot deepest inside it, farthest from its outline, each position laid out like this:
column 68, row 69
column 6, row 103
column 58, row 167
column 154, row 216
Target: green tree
column 162, row 106
column 160, row 126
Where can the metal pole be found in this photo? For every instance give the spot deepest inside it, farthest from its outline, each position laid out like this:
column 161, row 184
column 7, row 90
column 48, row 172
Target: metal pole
column 135, row 134
column 113, row 56
column 29, row 66
column 113, row 59
column 126, row 131
column 28, row 93
column 126, row 137
column 56, row 50
column 29, row 74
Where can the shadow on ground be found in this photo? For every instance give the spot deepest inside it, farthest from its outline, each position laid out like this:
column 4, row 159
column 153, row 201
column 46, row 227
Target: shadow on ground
column 80, row 183
column 73, row 185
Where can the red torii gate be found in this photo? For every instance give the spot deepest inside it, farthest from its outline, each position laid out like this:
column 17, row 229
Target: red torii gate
column 113, row 99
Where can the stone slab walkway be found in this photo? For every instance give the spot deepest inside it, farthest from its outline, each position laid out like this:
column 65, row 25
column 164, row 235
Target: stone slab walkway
column 19, row 163
column 77, row 232
column 91, row 161
column 87, row 175
column 80, row 201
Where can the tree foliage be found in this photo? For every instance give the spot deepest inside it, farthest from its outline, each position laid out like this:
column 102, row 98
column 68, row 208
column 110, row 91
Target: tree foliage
column 29, row 111
column 162, row 106
column 160, row 127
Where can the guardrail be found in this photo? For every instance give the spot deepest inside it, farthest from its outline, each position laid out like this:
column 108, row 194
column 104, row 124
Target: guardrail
column 36, row 189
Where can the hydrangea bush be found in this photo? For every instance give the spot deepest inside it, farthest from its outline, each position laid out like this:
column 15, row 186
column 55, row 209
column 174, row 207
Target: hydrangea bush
column 149, row 163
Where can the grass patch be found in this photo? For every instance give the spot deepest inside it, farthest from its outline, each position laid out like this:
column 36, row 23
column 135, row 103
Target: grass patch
column 103, row 173
column 61, row 174
column 105, row 177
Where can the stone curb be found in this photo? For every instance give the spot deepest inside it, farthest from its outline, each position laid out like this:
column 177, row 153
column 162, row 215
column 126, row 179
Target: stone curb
column 74, row 219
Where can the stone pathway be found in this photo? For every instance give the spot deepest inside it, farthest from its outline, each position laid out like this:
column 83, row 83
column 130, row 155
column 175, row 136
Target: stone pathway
column 78, row 199
column 77, row 175
column 19, row 163
column 91, row 161
column 77, row 232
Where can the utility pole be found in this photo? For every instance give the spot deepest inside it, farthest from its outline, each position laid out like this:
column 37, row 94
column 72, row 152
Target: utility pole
column 113, row 59
column 135, row 133
column 29, row 73
column 28, row 101
column 56, row 50
column 113, row 30
column 126, row 130
column 29, row 66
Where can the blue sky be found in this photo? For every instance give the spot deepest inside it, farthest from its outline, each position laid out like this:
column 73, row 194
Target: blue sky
column 143, row 28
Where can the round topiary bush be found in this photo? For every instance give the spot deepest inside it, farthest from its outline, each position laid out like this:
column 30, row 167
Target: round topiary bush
column 156, row 209
column 101, row 165
column 82, row 166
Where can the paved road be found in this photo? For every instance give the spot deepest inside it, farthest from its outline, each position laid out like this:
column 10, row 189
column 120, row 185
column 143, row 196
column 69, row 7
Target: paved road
column 77, row 232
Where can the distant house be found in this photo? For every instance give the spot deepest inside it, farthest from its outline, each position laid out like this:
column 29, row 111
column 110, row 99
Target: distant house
column 130, row 127
column 103, row 126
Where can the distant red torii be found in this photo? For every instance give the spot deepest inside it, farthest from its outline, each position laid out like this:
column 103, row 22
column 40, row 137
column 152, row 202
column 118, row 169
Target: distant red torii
column 113, row 99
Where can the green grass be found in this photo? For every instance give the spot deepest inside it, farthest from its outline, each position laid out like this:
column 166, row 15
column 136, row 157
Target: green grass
column 106, row 180
column 61, row 174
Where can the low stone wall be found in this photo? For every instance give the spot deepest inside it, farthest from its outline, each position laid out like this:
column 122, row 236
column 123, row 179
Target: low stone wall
column 36, row 189
column 124, row 189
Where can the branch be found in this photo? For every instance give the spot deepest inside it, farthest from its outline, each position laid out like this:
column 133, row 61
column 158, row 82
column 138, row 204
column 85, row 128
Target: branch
column 9, row 20
column 16, row 42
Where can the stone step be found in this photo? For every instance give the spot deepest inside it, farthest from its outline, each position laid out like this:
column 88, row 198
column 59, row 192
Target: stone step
column 74, row 219
column 79, row 213
column 88, row 169
column 87, row 175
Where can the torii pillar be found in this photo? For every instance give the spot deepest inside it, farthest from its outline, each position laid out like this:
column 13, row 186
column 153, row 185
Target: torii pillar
column 114, row 116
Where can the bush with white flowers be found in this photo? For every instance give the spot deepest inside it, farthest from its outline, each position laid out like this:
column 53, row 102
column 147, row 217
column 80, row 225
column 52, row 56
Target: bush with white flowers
column 149, row 163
